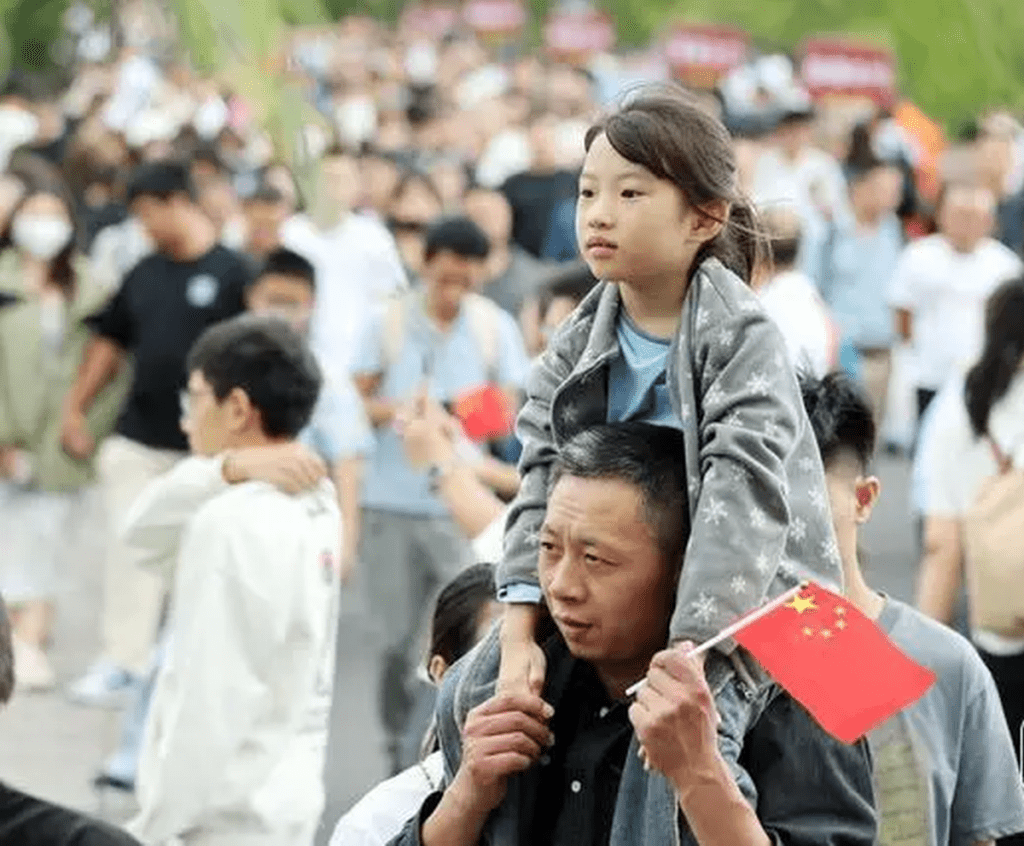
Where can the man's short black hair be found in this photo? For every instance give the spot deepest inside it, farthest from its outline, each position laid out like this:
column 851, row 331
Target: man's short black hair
column 458, row 235
column 267, row 359
column 841, row 418
column 285, row 262
column 160, row 180
column 647, row 456
column 6, row 656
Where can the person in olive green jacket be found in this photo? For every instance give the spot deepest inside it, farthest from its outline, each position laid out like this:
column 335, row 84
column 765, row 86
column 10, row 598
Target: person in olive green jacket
column 42, row 340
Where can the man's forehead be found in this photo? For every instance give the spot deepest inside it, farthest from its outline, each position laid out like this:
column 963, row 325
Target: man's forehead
column 608, row 502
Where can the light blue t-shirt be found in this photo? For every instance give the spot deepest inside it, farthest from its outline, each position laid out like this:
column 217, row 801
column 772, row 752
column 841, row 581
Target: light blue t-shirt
column 452, row 364
column 855, row 278
column 944, row 768
column 338, row 428
column 637, row 377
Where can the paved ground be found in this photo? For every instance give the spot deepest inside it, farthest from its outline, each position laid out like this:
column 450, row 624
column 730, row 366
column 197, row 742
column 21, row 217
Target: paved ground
column 52, row 748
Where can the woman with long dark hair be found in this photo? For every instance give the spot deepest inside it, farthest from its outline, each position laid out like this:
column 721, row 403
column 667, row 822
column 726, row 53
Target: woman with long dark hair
column 42, row 339
column 976, row 433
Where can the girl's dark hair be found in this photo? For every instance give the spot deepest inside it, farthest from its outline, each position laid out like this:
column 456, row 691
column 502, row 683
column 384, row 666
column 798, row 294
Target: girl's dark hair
column 669, row 132
column 989, row 380
column 39, row 177
column 457, row 612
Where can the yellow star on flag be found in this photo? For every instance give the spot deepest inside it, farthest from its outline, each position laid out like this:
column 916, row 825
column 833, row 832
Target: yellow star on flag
column 808, row 631
column 801, row 603
column 840, row 624
column 825, row 633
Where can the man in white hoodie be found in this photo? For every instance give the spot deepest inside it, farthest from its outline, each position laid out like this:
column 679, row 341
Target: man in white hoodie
column 234, row 747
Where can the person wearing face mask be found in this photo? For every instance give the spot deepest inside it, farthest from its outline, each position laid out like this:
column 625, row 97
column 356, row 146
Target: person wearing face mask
column 42, row 343
column 355, row 259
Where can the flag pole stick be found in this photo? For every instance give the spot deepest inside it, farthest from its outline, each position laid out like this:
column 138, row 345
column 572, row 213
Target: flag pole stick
column 729, row 631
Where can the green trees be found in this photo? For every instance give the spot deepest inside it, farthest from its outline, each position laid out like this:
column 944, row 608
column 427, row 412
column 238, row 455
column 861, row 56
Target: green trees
column 955, row 56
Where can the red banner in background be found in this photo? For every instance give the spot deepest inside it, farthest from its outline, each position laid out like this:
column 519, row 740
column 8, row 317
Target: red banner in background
column 429, row 20
column 701, row 54
column 495, row 18
column 841, row 67
column 579, row 34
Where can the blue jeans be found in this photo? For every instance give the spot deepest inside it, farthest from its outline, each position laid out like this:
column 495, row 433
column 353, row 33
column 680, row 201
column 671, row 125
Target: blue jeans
column 123, row 764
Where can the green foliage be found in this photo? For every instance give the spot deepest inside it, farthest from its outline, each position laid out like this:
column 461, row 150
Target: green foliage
column 30, row 27
column 955, row 57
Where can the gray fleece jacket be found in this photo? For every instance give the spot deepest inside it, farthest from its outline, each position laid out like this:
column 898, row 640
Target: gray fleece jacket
column 759, row 513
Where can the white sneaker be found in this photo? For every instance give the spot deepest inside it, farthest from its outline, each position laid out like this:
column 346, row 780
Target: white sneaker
column 104, row 685
column 32, row 670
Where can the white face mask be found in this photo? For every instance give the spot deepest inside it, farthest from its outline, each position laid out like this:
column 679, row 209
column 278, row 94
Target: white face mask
column 42, row 236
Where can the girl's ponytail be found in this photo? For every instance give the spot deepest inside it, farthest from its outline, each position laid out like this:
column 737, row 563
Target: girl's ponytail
column 742, row 245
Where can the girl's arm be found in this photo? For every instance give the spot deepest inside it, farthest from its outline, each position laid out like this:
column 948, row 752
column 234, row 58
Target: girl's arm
column 517, row 574
column 938, row 585
column 752, row 431
column 522, row 661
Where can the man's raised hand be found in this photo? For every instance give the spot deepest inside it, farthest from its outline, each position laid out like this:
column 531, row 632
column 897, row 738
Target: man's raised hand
column 675, row 716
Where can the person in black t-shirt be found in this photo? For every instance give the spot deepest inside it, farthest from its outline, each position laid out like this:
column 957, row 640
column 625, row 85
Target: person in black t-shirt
column 161, row 309
column 27, row 821
column 534, row 194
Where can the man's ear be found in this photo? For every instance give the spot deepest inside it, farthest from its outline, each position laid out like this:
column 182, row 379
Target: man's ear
column 437, row 668
column 868, row 491
column 241, row 413
column 709, row 220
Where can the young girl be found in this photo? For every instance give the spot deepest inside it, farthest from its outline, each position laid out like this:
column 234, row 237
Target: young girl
column 42, row 338
column 675, row 336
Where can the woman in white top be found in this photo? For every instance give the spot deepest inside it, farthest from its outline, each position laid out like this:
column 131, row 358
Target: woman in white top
column 464, row 612
column 975, row 418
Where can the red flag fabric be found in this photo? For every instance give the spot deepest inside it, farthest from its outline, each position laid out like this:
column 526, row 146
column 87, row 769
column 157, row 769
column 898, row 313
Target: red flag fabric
column 835, row 661
column 485, row 413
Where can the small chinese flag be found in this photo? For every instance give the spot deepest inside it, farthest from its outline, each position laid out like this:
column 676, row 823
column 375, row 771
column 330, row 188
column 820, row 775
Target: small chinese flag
column 835, row 661
column 485, row 413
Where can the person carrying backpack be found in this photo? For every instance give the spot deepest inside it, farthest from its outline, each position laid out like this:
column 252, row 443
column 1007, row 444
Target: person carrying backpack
column 444, row 342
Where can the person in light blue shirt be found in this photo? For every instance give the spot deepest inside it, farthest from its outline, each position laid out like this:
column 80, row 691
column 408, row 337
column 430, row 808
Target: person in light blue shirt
column 858, row 265
column 441, row 341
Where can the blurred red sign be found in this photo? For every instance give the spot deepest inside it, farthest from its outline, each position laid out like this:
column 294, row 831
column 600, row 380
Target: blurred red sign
column 579, row 33
column 495, row 17
column 834, row 66
column 430, row 20
column 700, row 54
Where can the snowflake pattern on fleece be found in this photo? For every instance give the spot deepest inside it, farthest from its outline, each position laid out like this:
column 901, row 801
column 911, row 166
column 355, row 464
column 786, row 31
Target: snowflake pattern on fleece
column 759, row 513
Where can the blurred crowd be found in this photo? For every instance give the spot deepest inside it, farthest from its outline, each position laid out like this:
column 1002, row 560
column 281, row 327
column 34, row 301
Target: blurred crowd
column 415, row 221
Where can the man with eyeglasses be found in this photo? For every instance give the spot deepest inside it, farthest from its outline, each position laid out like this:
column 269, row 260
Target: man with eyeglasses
column 236, row 736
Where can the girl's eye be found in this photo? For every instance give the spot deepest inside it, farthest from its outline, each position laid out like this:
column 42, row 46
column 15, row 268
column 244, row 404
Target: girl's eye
column 547, row 546
column 630, row 194
column 586, row 193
